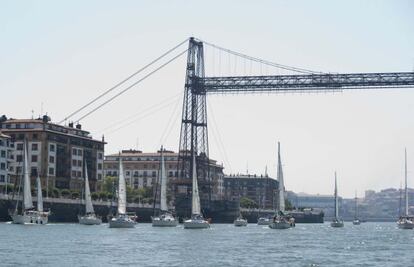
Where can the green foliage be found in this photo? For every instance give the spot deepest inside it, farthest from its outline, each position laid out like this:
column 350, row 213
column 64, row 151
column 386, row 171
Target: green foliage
column 103, row 195
column 54, row 192
column 248, row 203
column 75, row 194
column 109, row 184
column 288, row 205
column 94, row 195
column 65, row 193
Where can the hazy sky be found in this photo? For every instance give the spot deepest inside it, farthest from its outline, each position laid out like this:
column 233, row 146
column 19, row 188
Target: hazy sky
column 63, row 53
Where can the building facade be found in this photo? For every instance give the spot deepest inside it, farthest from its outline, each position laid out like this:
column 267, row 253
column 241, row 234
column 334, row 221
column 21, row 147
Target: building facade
column 56, row 153
column 261, row 189
column 6, row 147
column 141, row 170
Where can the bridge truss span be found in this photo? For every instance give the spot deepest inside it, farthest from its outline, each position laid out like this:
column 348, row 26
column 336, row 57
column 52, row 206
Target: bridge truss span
column 306, row 82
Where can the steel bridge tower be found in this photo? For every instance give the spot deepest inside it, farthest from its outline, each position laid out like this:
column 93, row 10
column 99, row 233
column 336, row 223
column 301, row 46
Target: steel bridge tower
column 194, row 135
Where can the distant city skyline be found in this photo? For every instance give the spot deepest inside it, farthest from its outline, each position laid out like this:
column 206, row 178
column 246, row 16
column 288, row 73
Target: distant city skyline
column 57, row 56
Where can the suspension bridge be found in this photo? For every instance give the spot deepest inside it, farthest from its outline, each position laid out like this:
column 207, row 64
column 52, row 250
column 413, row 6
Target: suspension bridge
column 194, row 128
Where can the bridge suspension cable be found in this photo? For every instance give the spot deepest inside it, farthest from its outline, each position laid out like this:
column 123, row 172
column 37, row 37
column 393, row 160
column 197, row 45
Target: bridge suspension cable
column 262, row 61
column 123, row 81
column 132, row 85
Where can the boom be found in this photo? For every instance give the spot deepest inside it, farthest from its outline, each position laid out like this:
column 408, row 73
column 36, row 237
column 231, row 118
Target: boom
column 307, row 82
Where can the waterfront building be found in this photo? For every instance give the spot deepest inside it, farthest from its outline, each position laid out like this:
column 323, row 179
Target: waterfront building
column 261, row 189
column 141, row 170
column 6, row 147
column 56, row 153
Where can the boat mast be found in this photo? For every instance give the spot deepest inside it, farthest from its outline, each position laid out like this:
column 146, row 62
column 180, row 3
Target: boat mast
column 406, row 187
column 281, row 205
column 356, row 205
column 336, row 199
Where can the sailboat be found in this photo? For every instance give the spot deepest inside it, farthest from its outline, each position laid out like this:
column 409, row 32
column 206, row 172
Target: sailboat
column 337, row 222
column 165, row 219
column 263, row 220
column 197, row 220
column 90, row 217
column 28, row 213
column 356, row 221
column 240, row 221
column 280, row 219
column 122, row 219
column 405, row 221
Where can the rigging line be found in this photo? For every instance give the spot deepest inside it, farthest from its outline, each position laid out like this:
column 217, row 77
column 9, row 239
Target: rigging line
column 262, row 61
column 168, row 129
column 121, row 82
column 170, row 99
column 215, row 128
column 132, row 85
column 141, row 117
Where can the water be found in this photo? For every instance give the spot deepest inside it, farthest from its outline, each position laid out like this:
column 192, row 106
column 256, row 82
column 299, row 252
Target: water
column 370, row 244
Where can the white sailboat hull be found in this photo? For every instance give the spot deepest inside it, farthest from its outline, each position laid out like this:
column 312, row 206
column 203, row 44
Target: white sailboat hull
column 280, row 225
column 405, row 223
column 31, row 218
column 240, row 222
column 196, row 224
column 122, row 221
column 356, row 222
column 337, row 224
column 263, row 221
column 169, row 221
column 89, row 220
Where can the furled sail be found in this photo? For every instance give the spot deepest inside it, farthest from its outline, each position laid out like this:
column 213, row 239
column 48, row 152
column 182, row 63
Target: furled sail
column 163, row 201
column 88, row 199
column 195, row 207
column 39, row 195
column 27, row 192
column 121, row 190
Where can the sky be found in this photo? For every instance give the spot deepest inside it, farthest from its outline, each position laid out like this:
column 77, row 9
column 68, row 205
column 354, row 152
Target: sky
column 58, row 55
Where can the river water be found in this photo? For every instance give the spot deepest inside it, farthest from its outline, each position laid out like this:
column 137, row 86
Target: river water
column 370, row 244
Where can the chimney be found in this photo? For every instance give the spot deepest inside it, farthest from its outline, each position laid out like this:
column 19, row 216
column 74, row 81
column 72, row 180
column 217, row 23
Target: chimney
column 78, row 126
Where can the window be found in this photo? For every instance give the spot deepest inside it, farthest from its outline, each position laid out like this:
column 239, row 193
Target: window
column 73, row 173
column 127, row 172
column 170, row 174
column 33, row 171
column 2, row 166
column 100, row 167
column 2, row 178
column 18, row 170
column 19, row 146
column 19, row 158
column 80, row 163
column 79, row 174
column 74, row 150
column 34, row 136
column 35, row 147
column 154, row 174
column 3, row 154
column 34, row 158
column 51, row 171
column 145, row 173
column 100, row 156
column 99, row 176
column 80, row 152
column 52, row 148
column 74, row 162
column 51, row 159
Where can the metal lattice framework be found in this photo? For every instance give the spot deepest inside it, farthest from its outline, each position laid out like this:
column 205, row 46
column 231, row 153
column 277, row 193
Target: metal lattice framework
column 309, row 82
column 194, row 136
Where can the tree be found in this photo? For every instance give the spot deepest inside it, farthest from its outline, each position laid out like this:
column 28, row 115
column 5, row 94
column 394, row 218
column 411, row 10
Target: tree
column 248, row 203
